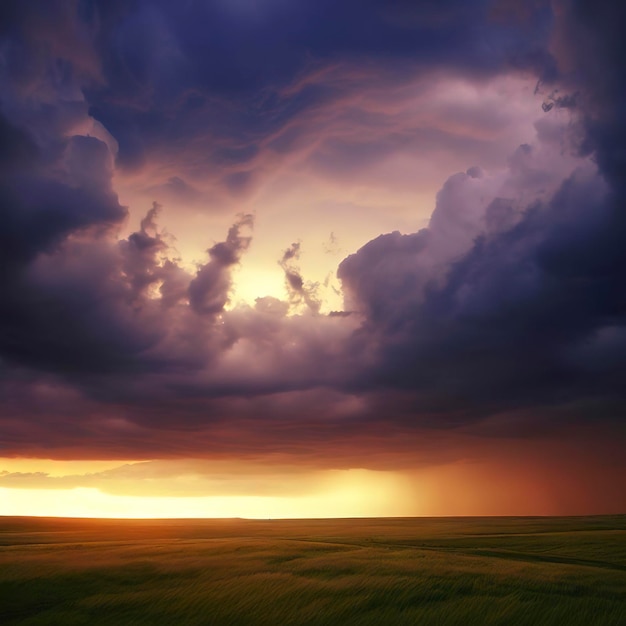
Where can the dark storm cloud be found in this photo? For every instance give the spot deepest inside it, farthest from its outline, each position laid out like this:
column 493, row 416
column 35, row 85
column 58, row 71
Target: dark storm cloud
column 531, row 313
column 173, row 70
column 214, row 87
column 239, row 47
column 39, row 205
column 498, row 327
column 511, row 299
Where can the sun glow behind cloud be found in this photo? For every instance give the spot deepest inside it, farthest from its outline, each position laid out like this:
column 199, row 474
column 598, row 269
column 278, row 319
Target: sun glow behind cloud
column 252, row 282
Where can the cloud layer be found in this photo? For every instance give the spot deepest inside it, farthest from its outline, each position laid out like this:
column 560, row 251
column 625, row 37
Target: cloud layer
column 503, row 318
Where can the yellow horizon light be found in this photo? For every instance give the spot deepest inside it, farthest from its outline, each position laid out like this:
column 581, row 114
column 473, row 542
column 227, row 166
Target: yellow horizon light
column 347, row 493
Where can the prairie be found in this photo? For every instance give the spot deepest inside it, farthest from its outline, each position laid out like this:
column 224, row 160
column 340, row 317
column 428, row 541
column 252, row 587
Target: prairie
column 461, row 571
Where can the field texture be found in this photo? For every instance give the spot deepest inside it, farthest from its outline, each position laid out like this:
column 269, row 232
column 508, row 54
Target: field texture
column 559, row 571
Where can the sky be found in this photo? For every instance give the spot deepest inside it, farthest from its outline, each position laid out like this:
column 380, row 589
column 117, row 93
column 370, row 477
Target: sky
column 303, row 258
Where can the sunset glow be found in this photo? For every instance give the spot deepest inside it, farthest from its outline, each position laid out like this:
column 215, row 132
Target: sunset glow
column 352, row 493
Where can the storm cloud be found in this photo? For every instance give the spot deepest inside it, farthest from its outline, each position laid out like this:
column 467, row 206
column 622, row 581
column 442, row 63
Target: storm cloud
column 504, row 317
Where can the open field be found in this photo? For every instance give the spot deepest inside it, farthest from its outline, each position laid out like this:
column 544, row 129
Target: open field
column 559, row 571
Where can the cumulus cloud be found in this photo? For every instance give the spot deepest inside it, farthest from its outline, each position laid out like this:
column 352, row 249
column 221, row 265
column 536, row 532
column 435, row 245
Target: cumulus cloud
column 208, row 291
column 485, row 309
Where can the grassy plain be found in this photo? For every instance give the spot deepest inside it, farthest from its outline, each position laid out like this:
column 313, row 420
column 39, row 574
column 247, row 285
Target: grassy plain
column 459, row 571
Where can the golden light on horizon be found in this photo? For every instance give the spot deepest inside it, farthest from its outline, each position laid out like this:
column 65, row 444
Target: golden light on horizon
column 344, row 493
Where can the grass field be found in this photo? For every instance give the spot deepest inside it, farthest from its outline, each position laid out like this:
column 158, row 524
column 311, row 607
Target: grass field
column 559, row 571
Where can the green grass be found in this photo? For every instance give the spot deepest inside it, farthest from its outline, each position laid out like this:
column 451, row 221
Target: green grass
column 460, row 571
